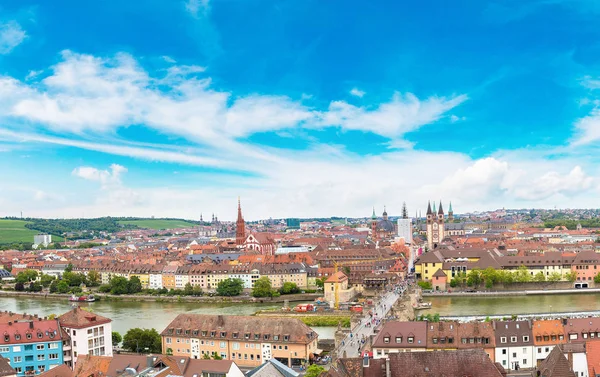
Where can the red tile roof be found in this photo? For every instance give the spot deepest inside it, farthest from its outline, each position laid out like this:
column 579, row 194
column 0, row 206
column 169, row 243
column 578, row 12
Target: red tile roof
column 79, row 319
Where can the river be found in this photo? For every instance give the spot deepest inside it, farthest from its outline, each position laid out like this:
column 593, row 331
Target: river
column 508, row 305
column 126, row 315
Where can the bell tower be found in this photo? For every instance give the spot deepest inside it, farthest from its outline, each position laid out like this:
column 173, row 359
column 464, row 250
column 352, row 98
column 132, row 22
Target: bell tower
column 374, row 225
column 429, row 224
column 240, row 227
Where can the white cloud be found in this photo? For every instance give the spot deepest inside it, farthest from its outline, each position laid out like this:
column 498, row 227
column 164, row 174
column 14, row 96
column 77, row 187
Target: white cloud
column 454, row 118
column 404, row 113
column 587, row 129
column 195, row 6
column 11, row 35
column 357, row 92
column 105, row 177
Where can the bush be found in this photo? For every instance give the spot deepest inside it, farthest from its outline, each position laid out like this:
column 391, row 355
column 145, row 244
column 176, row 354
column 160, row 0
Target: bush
column 104, row 288
column 425, row 284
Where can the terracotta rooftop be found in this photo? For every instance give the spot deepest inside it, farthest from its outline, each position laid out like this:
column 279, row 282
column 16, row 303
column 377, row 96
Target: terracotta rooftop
column 556, row 365
column 5, row 368
column 443, row 363
column 79, row 319
column 240, row 327
column 593, row 358
column 338, row 277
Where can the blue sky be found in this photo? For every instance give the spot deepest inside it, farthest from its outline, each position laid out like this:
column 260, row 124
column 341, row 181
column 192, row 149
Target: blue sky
column 302, row 108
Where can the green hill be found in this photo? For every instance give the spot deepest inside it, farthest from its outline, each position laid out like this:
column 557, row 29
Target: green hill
column 14, row 231
column 158, row 223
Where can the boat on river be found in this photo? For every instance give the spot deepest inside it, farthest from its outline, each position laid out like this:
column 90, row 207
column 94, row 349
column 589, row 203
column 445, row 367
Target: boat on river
column 89, row 298
column 422, row 306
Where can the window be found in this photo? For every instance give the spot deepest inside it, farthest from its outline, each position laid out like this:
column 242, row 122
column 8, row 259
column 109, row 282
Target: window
column 411, row 339
column 503, row 362
column 17, row 337
column 28, row 336
column 513, row 339
column 503, row 339
column 52, row 346
column 514, row 354
column 4, row 349
column 572, row 336
column 168, row 340
column 398, row 339
column 504, row 351
column 524, row 361
column 435, row 340
column 53, row 356
column 275, row 337
column 212, row 334
column 222, row 345
column 539, row 350
column 41, row 357
column 286, row 338
column 524, row 350
column 17, row 359
column 40, row 346
column 585, row 335
column 386, row 339
column 547, row 349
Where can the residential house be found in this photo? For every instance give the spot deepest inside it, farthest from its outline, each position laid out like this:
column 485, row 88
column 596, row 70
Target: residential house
column 556, row 365
column 442, row 335
column 247, row 340
column 400, row 337
column 546, row 335
column 514, row 344
column 477, row 335
column 91, row 334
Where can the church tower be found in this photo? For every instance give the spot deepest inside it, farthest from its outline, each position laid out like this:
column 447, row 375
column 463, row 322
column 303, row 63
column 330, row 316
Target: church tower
column 374, row 226
column 441, row 225
column 240, row 226
column 429, row 226
column 450, row 213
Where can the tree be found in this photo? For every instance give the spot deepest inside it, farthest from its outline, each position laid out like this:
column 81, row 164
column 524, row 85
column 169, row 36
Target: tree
column 73, row 279
column 69, row 267
column 134, row 285
column 197, row 291
column 314, row 371
column 119, row 285
column 346, row 270
column 425, row 284
column 62, row 287
column 474, row 278
column 571, row 276
column 597, row 278
column 522, row 275
column 116, row 338
column 539, row 277
column 289, row 288
column 26, row 276
column 19, row 287
column 35, row 287
column 554, row 276
column 320, row 282
column 216, row 356
column 46, row 280
column 206, row 356
column 169, row 351
column 93, row 278
column 104, row 288
column 262, row 287
column 230, row 287
column 139, row 340
column 490, row 277
column 188, row 290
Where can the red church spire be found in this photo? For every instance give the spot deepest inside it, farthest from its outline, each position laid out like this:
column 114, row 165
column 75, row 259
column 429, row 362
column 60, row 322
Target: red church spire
column 240, row 227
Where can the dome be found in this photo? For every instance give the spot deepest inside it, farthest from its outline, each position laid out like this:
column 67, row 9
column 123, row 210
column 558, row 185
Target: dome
column 385, row 225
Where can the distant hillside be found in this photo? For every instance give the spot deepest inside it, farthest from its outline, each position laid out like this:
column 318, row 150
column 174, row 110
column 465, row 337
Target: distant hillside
column 158, row 224
column 18, row 231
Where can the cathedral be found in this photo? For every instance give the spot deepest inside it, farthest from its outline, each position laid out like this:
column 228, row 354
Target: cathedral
column 437, row 227
column 382, row 229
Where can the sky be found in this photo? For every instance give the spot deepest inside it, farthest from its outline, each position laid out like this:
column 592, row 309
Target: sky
column 301, row 108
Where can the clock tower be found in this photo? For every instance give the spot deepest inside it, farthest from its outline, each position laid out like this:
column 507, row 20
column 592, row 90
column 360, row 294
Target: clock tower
column 435, row 226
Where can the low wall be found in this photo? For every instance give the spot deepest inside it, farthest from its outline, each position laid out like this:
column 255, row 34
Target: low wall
column 535, row 286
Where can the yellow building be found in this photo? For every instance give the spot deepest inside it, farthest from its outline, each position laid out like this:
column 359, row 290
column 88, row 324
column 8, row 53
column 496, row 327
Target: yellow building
column 247, row 340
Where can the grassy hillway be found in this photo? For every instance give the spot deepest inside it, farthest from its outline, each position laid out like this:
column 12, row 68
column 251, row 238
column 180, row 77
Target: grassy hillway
column 158, row 223
column 15, row 231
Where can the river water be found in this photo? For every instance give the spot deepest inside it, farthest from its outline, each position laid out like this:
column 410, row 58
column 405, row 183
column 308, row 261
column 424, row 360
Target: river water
column 508, row 305
column 126, row 315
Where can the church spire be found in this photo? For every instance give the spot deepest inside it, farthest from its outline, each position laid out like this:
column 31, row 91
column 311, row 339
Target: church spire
column 434, row 210
column 450, row 207
column 373, row 216
column 240, row 226
column 429, row 208
column 404, row 211
column 441, row 211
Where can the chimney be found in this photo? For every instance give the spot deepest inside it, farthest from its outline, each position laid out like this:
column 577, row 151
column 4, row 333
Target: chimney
column 31, row 325
column 149, row 361
column 388, row 372
column 10, row 323
column 220, row 321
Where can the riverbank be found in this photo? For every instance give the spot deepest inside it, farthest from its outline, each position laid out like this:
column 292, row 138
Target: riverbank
column 303, row 297
column 513, row 293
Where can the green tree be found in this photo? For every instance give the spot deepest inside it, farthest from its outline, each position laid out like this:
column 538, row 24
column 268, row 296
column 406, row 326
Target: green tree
column 35, row 287
column 346, row 270
column 169, row 351
column 142, row 340
column 116, row 338
column 597, row 278
column 73, row 279
column 571, row 276
column 46, row 280
column 134, row 285
column 554, row 276
column 26, row 276
column 425, row 284
column 197, row 291
column 62, row 287
column 262, row 287
column 53, row 286
column 69, row 267
column 230, row 287
column 93, row 278
column 206, row 356
column 104, row 288
column 19, row 287
column 215, row 356
column 320, row 282
column 539, row 277
column 188, row 290
column 119, row 285
column 314, row 370
column 474, row 278
column 453, row 283
column 522, row 275
column 289, row 288
column 489, row 276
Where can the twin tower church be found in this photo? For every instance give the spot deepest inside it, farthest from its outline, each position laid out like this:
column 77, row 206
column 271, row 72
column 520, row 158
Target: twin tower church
column 436, row 226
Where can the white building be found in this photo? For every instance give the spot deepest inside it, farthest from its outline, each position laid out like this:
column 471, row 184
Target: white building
column 514, row 344
column 405, row 230
column 248, row 277
column 155, row 281
column 90, row 333
column 42, row 239
column 292, row 249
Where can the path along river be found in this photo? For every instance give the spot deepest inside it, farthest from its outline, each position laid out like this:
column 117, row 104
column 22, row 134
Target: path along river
column 126, row 315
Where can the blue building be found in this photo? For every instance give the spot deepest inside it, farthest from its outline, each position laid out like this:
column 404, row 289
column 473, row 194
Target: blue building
column 34, row 346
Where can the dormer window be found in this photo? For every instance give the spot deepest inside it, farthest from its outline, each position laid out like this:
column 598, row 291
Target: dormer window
column 275, row 337
column 178, row 331
column 411, row 339
column 256, row 336
column 266, row 337
column 212, row 334
column 398, row 339
column 286, row 338
column 40, row 335
column 17, row 337
column 28, row 335
column 6, row 337
column 203, row 333
column 386, row 339
column 223, row 333
column 247, row 335
column 195, row 332
column 235, row 335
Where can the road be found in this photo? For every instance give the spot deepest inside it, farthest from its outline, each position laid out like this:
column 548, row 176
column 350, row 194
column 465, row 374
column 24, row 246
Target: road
column 351, row 345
